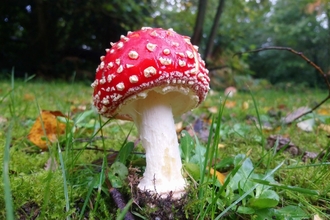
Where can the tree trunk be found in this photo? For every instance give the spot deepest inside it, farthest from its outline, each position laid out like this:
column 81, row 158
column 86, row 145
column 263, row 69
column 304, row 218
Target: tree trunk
column 210, row 42
column 198, row 29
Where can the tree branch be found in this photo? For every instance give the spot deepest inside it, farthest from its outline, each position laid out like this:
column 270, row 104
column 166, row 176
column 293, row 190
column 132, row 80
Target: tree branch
column 301, row 55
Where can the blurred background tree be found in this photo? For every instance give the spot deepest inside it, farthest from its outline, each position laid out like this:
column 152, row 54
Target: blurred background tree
column 53, row 39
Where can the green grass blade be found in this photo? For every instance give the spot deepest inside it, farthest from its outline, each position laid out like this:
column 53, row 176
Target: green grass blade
column 292, row 188
column 123, row 212
column 65, row 186
column 6, row 180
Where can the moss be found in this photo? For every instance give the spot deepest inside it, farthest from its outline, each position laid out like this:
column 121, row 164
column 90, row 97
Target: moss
column 36, row 190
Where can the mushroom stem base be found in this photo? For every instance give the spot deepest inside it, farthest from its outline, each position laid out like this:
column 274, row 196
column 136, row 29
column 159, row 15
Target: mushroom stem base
column 155, row 123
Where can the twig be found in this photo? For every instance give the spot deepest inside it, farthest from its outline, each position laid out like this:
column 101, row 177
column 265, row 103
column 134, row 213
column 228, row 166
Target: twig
column 300, row 54
column 118, row 199
column 90, row 139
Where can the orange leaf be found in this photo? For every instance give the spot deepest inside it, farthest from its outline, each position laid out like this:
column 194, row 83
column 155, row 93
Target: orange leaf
column 46, row 125
column 28, row 97
column 230, row 104
column 323, row 111
column 221, row 177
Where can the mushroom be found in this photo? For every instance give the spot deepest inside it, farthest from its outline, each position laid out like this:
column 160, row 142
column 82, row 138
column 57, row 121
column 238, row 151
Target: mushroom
column 150, row 76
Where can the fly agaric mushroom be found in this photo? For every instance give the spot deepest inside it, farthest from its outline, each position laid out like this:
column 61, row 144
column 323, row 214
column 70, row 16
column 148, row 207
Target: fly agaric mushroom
column 150, row 76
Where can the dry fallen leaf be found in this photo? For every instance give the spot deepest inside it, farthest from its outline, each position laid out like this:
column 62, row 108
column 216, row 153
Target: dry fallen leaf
column 46, row 124
column 323, row 111
column 317, row 217
column 179, row 127
column 51, row 164
column 230, row 104
column 295, row 114
column 221, row 177
column 280, row 142
column 213, row 109
column 28, row 97
column 245, row 105
column 324, row 127
column 221, row 146
column 306, row 125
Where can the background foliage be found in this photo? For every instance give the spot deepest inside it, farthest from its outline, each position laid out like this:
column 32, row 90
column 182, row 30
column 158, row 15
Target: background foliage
column 53, row 39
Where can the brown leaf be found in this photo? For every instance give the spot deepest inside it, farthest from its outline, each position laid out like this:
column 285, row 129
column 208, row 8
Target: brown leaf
column 293, row 115
column 282, row 142
column 46, row 127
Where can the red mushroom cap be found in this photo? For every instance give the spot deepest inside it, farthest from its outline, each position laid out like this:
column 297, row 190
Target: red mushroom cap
column 149, row 59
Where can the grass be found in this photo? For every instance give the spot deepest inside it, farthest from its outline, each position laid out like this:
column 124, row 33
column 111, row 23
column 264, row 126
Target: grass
column 261, row 183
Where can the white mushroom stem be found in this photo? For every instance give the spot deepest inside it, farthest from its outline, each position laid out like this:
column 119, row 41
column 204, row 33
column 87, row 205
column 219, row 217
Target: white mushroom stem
column 155, row 123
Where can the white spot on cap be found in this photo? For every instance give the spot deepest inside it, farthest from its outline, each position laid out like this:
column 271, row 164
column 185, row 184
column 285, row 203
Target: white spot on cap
column 124, row 38
column 115, row 97
column 133, row 54
column 109, row 78
column 129, row 66
column 120, row 45
column 190, row 54
column 101, row 58
column 151, row 46
column 112, row 51
column 102, row 65
column 196, row 47
column 181, row 54
column 149, row 71
column 165, row 61
column 120, row 69
column 176, row 44
column 154, row 33
column 105, row 101
column 187, row 39
column 120, row 86
column 193, row 71
column 145, row 28
column 102, row 81
column 103, row 109
column 110, row 65
column 200, row 75
column 182, row 63
column 107, row 50
column 117, row 61
column 94, row 83
column 112, row 43
column 133, row 79
column 170, row 29
column 166, row 51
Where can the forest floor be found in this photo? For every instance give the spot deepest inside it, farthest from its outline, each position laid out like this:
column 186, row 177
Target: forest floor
column 265, row 166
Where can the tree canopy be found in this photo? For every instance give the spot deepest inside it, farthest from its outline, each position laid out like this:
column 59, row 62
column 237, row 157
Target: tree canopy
column 56, row 38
